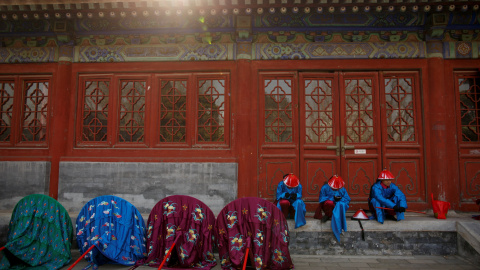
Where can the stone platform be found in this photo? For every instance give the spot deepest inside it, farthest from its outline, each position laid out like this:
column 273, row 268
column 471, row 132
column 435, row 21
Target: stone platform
column 417, row 235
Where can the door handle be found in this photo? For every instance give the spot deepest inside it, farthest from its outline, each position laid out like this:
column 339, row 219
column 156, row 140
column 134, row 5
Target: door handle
column 345, row 147
column 337, row 146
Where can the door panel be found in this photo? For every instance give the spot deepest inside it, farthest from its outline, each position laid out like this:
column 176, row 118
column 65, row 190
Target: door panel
column 470, row 177
column 274, row 168
column 467, row 86
column 319, row 130
column 279, row 130
column 317, row 172
column 407, row 172
column 402, row 132
column 359, row 177
column 360, row 138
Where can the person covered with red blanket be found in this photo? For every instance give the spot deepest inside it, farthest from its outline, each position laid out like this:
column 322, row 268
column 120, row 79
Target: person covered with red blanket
column 386, row 194
column 334, row 202
column 289, row 193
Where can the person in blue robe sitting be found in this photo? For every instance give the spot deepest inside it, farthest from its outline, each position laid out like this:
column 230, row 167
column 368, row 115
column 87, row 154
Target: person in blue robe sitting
column 334, row 202
column 289, row 193
column 386, row 194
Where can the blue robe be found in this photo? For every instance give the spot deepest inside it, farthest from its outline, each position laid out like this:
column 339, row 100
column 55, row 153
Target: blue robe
column 339, row 220
column 298, row 204
column 386, row 197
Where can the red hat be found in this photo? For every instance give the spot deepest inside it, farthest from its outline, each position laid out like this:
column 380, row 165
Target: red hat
column 385, row 175
column 291, row 181
column 336, row 182
column 360, row 214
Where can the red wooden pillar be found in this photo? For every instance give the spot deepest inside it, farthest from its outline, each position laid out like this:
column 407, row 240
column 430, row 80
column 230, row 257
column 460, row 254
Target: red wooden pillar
column 59, row 127
column 436, row 103
column 246, row 130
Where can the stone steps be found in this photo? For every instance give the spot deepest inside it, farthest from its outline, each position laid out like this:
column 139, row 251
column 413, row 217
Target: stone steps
column 416, row 235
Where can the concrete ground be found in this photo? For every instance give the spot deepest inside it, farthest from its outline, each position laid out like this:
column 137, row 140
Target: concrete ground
column 335, row 262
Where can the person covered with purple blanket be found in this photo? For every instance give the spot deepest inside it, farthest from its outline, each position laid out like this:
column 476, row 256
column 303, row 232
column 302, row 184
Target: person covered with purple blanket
column 180, row 234
column 253, row 231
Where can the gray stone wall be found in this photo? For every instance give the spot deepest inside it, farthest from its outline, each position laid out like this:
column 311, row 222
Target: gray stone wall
column 144, row 184
column 376, row 243
column 416, row 235
column 21, row 178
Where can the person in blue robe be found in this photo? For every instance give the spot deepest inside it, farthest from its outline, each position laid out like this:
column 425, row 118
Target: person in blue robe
column 289, row 193
column 334, row 200
column 386, row 194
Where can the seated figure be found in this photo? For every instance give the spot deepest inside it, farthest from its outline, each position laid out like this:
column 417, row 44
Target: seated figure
column 385, row 194
column 334, row 202
column 289, row 193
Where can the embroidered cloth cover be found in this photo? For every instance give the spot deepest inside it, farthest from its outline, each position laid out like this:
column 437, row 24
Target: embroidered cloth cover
column 188, row 221
column 39, row 235
column 259, row 225
column 115, row 227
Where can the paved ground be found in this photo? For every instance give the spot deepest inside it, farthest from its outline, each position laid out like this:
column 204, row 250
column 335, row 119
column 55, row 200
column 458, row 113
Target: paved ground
column 313, row 262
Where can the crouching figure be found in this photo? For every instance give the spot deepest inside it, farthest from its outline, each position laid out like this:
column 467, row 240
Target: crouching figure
column 289, row 194
column 334, row 202
column 385, row 194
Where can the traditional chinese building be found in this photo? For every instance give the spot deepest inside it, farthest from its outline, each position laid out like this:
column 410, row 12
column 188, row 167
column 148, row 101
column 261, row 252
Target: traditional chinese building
column 218, row 99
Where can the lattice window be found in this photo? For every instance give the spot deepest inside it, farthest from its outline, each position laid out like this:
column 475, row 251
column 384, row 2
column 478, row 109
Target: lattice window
column 7, row 89
column 468, row 87
column 400, row 109
column 319, row 123
column 278, row 110
column 132, row 111
column 177, row 110
column 173, row 111
column 95, row 110
column 35, row 111
column 211, row 110
column 359, row 110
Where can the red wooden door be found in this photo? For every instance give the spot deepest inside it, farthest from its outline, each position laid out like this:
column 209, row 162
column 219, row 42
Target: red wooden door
column 320, row 132
column 467, row 86
column 343, row 109
column 347, row 123
column 402, row 134
column 279, row 149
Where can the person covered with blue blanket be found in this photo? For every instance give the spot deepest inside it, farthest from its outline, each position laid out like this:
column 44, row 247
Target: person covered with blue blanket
column 385, row 194
column 289, row 193
column 334, row 202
